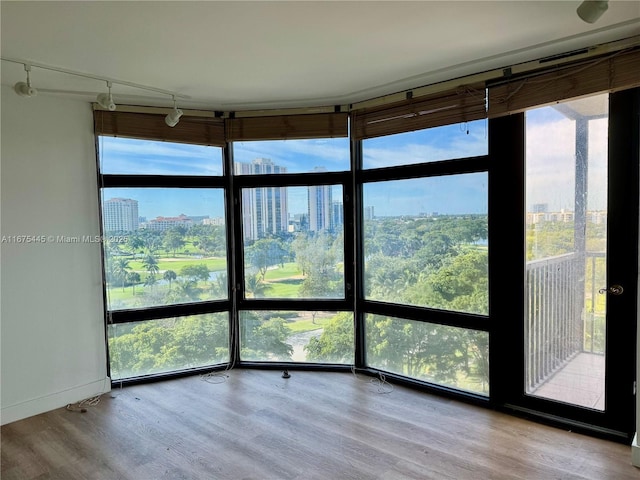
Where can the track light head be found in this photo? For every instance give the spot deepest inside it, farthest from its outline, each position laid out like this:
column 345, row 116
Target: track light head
column 173, row 117
column 105, row 100
column 591, row 10
column 25, row 90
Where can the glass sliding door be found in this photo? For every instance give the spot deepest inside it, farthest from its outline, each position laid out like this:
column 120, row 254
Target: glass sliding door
column 566, row 240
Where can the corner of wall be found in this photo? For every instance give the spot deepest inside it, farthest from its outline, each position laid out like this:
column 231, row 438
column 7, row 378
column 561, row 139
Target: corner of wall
column 53, row 401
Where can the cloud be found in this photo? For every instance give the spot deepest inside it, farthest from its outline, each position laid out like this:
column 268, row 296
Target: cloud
column 130, row 156
column 551, row 160
column 297, row 155
column 424, row 146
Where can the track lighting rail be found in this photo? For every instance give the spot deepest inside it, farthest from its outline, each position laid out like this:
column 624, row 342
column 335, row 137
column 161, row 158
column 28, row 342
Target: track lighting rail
column 113, row 81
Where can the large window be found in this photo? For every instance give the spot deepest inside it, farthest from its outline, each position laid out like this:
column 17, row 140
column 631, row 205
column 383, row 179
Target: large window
column 291, row 232
column 164, row 246
column 425, row 239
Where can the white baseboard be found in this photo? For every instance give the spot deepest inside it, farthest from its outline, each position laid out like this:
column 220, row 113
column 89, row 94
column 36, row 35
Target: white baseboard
column 635, row 451
column 52, row 401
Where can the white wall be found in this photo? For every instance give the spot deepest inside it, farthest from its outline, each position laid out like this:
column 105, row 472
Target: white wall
column 52, row 349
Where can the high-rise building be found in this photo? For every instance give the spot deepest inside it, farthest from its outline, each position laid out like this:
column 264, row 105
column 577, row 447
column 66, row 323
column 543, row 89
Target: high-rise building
column 120, row 215
column 264, row 209
column 368, row 213
column 338, row 216
column 320, row 208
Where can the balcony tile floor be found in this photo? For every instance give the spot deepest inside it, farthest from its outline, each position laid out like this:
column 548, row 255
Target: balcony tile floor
column 580, row 382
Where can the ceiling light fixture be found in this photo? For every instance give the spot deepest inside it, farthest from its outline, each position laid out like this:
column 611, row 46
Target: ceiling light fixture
column 173, row 117
column 105, row 100
column 591, row 10
column 24, row 89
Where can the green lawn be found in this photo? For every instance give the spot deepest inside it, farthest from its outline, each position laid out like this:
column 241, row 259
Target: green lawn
column 299, row 326
column 280, row 284
column 289, row 270
column 213, row 264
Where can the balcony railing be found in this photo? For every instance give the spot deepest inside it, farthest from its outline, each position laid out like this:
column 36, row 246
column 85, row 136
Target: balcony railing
column 561, row 313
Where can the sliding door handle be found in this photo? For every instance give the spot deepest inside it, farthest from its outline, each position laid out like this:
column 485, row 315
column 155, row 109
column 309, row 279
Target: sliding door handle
column 613, row 290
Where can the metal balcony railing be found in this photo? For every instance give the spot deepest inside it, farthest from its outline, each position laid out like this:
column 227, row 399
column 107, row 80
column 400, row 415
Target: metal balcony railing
column 561, row 313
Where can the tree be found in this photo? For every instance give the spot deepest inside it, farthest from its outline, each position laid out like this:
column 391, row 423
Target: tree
column 133, row 278
column 151, row 264
column 265, row 253
column 336, row 343
column 120, row 270
column 265, row 338
column 134, row 243
column 150, row 280
column 210, row 239
column 169, row 344
column 219, row 286
column 254, row 286
column 318, row 257
column 187, row 291
column 195, row 273
column 169, row 275
column 152, row 240
column 173, row 240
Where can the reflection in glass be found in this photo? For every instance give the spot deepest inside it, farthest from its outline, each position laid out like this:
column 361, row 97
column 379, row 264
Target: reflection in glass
column 449, row 356
column 169, row 344
column 424, row 146
column 319, row 337
column 293, row 242
column 128, row 156
column 163, row 246
column 425, row 242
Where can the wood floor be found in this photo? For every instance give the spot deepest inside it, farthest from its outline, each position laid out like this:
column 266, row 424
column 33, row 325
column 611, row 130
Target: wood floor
column 314, row 425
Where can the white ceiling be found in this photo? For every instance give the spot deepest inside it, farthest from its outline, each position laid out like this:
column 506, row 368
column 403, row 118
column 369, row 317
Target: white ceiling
column 240, row 55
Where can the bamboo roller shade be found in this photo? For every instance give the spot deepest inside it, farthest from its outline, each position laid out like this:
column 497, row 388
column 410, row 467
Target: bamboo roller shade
column 288, row 127
column 462, row 104
column 608, row 74
column 195, row 130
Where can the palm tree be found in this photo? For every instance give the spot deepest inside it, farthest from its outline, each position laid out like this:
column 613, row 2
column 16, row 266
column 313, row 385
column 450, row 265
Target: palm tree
column 133, row 278
column 151, row 264
column 120, row 270
column 169, row 275
column 150, row 280
column 188, row 290
column 254, row 286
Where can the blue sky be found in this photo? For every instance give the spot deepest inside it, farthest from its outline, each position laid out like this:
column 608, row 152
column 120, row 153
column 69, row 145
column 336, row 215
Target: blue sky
column 129, row 156
column 550, row 160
